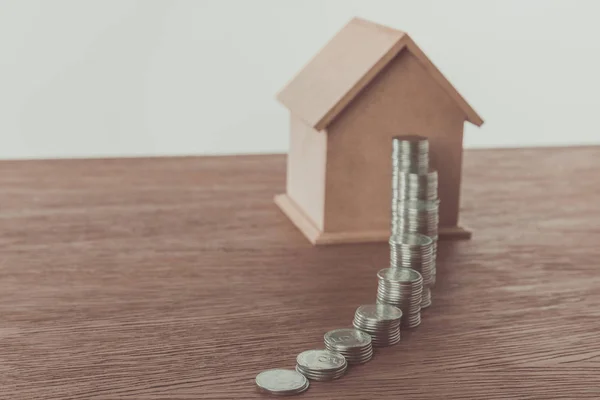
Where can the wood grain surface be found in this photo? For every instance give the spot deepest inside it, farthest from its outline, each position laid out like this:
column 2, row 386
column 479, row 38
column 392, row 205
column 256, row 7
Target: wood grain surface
column 178, row 278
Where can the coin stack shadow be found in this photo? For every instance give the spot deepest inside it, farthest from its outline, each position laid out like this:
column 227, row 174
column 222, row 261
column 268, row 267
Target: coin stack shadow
column 381, row 321
column 402, row 288
column 415, row 203
column 355, row 345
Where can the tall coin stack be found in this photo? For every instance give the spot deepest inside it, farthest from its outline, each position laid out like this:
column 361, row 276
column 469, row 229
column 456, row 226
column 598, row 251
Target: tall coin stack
column 381, row 321
column 413, row 250
column 421, row 216
column 415, row 203
column 402, row 288
column 410, row 172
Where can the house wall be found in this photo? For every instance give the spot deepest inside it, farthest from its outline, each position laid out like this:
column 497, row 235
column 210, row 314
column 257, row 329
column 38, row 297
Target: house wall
column 306, row 170
column 402, row 99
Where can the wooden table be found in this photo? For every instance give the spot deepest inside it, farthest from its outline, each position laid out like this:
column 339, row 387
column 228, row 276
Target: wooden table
column 178, row 278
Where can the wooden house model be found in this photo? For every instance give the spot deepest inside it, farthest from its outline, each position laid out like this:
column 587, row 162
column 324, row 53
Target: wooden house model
column 368, row 84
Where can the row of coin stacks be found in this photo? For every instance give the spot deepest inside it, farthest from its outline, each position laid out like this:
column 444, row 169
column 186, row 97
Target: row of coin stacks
column 403, row 289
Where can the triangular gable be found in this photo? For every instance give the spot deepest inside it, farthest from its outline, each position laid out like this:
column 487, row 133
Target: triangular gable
column 348, row 63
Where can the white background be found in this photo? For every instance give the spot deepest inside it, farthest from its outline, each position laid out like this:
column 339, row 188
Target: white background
column 83, row 78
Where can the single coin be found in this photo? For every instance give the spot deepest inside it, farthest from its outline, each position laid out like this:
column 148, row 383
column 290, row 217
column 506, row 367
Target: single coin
column 281, row 382
column 419, row 206
column 410, row 139
column 372, row 330
column 321, row 360
column 360, row 358
column 347, row 338
column 377, row 323
column 387, row 344
column 400, row 275
column 322, row 376
column 352, row 352
column 362, row 325
column 379, row 312
column 411, row 239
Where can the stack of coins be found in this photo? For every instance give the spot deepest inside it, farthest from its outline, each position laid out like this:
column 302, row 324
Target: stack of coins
column 321, row 365
column 353, row 344
column 413, row 186
column 420, row 216
column 410, row 153
column 381, row 321
column 282, row 382
column 402, row 288
column 413, row 250
column 415, row 201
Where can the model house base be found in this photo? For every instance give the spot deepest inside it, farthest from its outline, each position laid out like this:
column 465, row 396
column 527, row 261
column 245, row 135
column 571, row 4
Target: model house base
column 318, row 237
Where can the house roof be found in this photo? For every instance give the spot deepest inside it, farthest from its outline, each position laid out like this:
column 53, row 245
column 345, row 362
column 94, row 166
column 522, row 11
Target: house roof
column 347, row 63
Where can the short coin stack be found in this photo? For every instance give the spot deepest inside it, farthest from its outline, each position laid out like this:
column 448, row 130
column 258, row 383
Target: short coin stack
column 414, row 250
column 402, row 288
column 381, row 321
column 415, row 202
column 321, row 365
column 283, row 382
column 353, row 344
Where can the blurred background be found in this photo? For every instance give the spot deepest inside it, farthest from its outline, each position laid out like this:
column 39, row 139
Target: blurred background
column 96, row 78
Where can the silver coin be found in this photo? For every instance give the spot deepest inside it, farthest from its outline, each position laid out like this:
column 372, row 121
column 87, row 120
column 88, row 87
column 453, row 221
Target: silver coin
column 379, row 313
column 281, row 382
column 366, row 327
column 362, row 358
column 376, row 335
column 411, row 240
column 410, row 153
column 426, row 301
column 387, row 340
column 320, row 376
column 309, row 373
column 413, row 322
column 359, row 357
column 387, row 335
column 400, row 275
column 405, row 304
column 424, row 208
column 375, row 330
column 388, row 343
column 353, row 353
column 347, row 338
column 321, row 360
column 377, row 324
column 400, row 290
